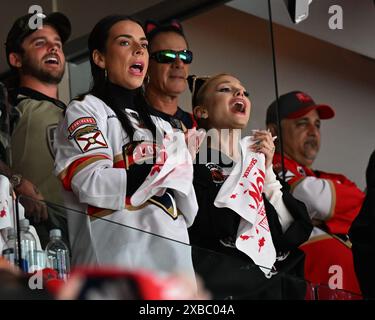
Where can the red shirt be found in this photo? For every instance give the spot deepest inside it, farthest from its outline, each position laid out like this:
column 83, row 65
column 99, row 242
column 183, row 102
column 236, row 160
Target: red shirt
column 329, row 197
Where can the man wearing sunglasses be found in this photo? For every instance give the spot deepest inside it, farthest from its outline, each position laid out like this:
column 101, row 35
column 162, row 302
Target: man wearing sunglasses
column 167, row 73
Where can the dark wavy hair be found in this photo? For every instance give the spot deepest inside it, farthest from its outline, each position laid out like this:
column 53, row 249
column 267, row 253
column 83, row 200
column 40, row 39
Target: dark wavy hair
column 98, row 41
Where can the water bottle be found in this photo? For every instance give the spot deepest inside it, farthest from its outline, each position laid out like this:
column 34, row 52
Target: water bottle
column 57, row 254
column 10, row 251
column 28, row 246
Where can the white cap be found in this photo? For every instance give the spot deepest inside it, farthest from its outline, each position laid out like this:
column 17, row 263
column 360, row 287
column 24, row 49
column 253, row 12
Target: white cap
column 55, row 233
column 24, row 223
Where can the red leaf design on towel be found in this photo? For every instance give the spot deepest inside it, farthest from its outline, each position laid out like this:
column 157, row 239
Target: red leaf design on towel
column 245, row 237
column 261, row 243
column 234, row 196
column 3, row 213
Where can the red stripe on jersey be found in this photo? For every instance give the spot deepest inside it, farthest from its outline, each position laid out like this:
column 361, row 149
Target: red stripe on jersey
column 119, row 164
column 77, row 166
column 92, row 210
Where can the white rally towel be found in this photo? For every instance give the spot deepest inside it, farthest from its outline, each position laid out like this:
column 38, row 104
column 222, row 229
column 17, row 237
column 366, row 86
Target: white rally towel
column 7, row 213
column 173, row 170
column 242, row 192
column 6, row 202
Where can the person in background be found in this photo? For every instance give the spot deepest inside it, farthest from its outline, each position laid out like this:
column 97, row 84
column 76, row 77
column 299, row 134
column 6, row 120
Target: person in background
column 37, row 56
column 169, row 63
column 332, row 200
column 102, row 152
column 235, row 185
column 362, row 233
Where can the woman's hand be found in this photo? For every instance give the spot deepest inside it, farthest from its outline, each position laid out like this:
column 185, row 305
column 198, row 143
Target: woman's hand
column 264, row 144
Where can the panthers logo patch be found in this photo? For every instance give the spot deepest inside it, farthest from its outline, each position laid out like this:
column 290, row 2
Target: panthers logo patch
column 90, row 138
column 217, row 173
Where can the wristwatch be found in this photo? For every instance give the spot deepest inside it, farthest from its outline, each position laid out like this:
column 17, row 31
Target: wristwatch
column 15, row 180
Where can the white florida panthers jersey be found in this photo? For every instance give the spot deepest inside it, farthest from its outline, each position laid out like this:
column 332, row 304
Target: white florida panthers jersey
column 104, row 225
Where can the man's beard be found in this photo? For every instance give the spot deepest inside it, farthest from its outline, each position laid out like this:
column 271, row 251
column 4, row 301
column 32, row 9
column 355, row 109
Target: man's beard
column 46, row 76
column 311, row 148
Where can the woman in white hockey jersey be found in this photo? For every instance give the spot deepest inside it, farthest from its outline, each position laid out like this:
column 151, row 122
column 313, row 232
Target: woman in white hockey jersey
column 115, row 170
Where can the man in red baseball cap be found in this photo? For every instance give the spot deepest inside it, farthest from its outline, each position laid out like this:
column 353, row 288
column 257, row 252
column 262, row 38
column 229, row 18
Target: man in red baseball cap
column 332, row 200
column 300, row 117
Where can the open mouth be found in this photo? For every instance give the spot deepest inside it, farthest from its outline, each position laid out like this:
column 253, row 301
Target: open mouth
column 239, row 107
column 137, row 67
column 52, row 60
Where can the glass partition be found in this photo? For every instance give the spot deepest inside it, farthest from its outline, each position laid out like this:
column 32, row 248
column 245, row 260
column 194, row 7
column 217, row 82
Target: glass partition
column 323, row 50
column 313, row 56
column 207, row 274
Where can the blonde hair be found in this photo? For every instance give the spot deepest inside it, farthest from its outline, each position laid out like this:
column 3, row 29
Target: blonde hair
column 201, row 94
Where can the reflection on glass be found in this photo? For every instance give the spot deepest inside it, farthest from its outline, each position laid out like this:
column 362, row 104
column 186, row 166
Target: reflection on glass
column 319, row 57
column 224, row 276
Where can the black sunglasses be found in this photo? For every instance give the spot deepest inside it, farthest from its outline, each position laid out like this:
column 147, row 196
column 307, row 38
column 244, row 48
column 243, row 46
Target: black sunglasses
column 170, row 56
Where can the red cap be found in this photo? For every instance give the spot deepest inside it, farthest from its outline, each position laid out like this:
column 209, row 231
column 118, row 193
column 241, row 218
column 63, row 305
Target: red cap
column 295, row 104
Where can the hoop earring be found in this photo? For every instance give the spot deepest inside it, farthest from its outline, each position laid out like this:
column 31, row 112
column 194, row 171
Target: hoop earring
column 204, row 115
